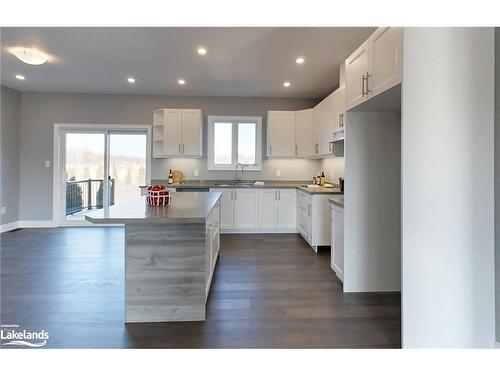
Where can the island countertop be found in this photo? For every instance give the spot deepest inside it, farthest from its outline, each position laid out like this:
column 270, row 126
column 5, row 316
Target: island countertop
column 185, row 208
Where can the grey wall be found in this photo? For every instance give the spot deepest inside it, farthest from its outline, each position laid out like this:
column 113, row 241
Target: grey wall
column 447, row 188
column 9, row 134
column 497, row 181
column 372, row 218
column 39, row 112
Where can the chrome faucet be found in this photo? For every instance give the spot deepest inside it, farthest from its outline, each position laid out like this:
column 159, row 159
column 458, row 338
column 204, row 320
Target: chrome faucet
column 236, row 179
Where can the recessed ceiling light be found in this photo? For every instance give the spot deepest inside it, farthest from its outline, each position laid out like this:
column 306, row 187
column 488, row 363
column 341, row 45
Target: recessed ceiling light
column 131, row 80
column 30, row 56
column 20, row 77
column 202, row 51
column 286, row 84
column 181, row 82
column 300, row 60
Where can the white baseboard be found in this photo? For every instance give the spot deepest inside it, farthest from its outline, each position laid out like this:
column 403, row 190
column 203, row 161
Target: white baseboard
column 27, row 224
column 9, row 226
column 256, row 231
column 37, row 224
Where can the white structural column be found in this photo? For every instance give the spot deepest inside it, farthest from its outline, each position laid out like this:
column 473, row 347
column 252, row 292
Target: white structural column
column 447, row 188
column 497, row 181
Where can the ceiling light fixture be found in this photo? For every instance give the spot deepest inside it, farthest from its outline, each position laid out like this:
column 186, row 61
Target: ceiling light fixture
column 300, row 60
column 181, row 82
column 286, row 84
column 202, row 51
column 131, row 80
column 30, row 56
column 20, row 77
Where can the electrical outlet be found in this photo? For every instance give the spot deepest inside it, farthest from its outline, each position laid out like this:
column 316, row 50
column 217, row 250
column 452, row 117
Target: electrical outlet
column 47, row 163
column 196, row 172
column 278, row 173
column 3, row 210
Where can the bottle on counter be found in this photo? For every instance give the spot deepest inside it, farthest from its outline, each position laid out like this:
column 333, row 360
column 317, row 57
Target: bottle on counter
column 322, row 179
column 170, row 178
column 318, row 179
column 314, row 180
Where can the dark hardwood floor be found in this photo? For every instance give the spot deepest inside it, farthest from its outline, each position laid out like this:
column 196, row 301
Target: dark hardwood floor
column 268, row 291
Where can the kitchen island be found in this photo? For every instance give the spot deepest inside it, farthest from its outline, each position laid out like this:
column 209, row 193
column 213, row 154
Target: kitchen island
column 170, row 255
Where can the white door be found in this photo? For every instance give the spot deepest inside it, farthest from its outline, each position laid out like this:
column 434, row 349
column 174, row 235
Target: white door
column 356, row 67
column 281, row 133
column 287, row 209
column 386, row 53
column 268, row 208
column 304, row 133
column 245, row 209
column 226, row 218
column 172, row 138
column 191, row 132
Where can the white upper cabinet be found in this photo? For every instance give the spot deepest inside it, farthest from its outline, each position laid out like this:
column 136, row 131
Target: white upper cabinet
column 375, row 66
column 356, row 67
column 280, row 134
column 386, row 52
column 177, row 132
column 192, row 120
column 304, row 133
column 317, row 119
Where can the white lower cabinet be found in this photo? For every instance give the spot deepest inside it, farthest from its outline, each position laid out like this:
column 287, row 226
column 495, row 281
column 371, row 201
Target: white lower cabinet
column 212, row 243
column 312, row 217
column 337, row 233
column 258, row 210
column 238, row 209
column 278, row 209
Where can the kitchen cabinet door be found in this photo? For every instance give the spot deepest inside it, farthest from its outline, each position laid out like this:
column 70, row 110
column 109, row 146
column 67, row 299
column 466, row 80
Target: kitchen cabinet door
column 191, row 132
column 356, row 67
column 337, row 242
column 281, row 134
column 304, row 133
column 226, row 209
column 386, row 54
column 287, row 208
column 172, row 139
column 329, row 116
column 245, row 209
column 317, row 117
column 268, row 210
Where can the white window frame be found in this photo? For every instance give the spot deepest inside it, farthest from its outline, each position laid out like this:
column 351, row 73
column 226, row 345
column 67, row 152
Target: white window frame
column 211, row 120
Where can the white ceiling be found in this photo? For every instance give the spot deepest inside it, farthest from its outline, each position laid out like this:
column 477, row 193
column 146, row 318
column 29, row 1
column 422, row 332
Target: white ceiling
column 239, row 62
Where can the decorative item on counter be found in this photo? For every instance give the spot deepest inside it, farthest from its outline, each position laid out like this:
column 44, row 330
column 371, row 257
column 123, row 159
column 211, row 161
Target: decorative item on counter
column 177, row 177
column 322, row 179
column 170, row 178
column 158, row 195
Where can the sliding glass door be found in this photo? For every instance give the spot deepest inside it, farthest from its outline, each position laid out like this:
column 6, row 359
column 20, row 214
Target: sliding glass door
column 99, row 168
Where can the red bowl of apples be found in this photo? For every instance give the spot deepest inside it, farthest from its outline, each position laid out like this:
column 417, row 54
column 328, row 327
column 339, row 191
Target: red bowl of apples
column 158, row 195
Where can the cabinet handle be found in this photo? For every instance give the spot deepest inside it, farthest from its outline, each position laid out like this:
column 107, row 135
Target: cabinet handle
column 235, row 194
column 367, row 83
column 179, row 148
column 270, row 149
column 183, row 149
column 276, row 195
column 279, row 195
column 296, row 149
column 342, row 122
column 363, row 86
column 309, row 210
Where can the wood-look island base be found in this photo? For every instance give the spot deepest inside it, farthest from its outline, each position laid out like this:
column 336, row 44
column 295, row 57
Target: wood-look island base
column 170, row 255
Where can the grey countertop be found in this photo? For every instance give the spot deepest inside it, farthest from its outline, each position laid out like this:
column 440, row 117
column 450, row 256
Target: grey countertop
column 269, row 184
column 337, row 200
column 185, row 208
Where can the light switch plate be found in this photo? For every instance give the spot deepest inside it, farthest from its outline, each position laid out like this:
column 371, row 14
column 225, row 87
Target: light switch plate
column 196, row 172
column 47, row 163
column 3, row 210
column 278, row 172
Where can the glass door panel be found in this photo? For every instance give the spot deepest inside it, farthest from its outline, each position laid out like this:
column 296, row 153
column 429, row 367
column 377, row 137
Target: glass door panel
column 84, row 173
column 127, row 165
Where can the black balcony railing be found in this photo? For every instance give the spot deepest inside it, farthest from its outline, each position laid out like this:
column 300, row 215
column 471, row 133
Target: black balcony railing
column 86, row 195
